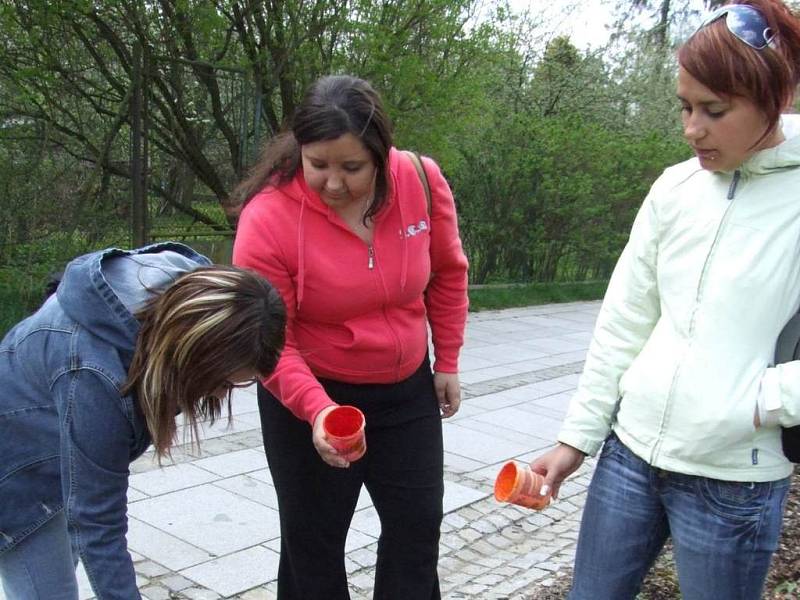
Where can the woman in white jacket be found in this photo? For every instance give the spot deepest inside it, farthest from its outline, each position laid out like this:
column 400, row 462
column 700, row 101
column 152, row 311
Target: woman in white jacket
column 678, row 380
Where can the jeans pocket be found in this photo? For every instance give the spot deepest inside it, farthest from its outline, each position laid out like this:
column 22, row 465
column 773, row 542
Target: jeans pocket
column 734, row 499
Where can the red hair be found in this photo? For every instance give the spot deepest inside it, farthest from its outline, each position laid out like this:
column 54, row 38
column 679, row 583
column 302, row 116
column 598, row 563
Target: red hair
column 726, row 65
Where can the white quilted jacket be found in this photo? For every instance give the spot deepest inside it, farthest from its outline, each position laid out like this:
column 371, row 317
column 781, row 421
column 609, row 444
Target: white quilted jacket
column 682, row 349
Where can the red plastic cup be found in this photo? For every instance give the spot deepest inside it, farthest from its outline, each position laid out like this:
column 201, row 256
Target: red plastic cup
column 344, row 430
column 519, row 485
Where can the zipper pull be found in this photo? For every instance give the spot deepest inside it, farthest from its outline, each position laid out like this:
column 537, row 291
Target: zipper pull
column 734, row 183
column 371, row 263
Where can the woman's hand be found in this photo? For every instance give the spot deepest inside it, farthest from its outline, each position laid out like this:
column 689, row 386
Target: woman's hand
column 556, row 465
column 327, row 452
column 448, row 393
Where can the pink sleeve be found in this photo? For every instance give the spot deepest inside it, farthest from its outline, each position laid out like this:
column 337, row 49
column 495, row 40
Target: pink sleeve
column 256, row 248
column 446, row 297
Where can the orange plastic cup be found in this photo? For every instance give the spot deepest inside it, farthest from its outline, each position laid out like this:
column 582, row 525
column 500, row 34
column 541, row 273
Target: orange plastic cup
column 519, row 485
column 344, row 430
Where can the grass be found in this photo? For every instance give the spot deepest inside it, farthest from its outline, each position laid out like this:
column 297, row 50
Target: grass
column 11, row 311
column 18, row 296
column 494, row 297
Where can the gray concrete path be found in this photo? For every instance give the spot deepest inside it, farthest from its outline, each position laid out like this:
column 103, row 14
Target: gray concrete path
column 206, row 525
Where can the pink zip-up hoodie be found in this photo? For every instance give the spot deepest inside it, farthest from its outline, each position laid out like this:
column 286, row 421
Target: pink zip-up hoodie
column 358, row 313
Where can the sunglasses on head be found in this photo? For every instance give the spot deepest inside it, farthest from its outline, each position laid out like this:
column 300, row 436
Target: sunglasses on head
column 745, row 22
column 230, row 385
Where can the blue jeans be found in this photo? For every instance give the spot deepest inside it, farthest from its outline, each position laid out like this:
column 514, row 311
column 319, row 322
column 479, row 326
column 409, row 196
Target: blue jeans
column 723, row 532
column 41, row 567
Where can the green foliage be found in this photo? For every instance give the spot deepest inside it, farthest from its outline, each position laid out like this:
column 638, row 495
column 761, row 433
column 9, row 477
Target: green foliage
column 27, row 268
column 17, row 299
column 550, row 187
column 550, row 150
column 44, row 194
column 787, row 589
column 505, row 296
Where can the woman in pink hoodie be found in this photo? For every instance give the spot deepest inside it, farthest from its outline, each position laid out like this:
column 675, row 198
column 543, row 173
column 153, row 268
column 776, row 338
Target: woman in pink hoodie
column 338, row 220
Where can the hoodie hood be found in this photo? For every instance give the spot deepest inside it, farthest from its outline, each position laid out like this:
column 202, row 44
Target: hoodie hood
column 785, row 155
column 101, row 291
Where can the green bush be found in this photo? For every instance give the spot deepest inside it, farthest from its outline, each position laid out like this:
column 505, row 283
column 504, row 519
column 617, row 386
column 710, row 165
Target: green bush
column 27, row 268
column 20, row 295
column 495, row 297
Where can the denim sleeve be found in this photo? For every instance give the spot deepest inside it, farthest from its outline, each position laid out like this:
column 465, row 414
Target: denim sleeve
column 96, row 437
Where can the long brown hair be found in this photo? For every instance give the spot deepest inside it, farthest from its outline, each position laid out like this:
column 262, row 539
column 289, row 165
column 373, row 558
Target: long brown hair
column 726, row 65
column 333, row 106
column 207, row 325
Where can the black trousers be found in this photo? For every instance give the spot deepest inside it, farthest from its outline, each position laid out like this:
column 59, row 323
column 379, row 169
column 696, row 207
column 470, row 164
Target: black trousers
column 402, row 471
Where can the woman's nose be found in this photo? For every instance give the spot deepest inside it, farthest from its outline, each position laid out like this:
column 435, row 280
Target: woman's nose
column 693, row 128
column 334, row 183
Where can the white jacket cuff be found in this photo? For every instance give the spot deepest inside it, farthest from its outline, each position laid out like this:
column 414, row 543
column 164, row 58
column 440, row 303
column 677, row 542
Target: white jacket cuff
column 769, row 398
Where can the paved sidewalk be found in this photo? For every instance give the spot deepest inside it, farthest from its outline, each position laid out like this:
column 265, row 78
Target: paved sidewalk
column 206, row 526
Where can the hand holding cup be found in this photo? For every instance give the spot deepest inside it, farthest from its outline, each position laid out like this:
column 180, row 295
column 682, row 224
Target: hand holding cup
column 344, row 430
column 519, row 485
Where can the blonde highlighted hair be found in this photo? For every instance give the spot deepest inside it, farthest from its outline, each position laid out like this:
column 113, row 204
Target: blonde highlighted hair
column 206, row 326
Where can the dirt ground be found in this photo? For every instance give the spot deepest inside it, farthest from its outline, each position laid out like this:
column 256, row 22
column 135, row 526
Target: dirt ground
column 783, row 580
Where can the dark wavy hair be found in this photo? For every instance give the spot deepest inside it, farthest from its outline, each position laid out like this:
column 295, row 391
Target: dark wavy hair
column 333, row 106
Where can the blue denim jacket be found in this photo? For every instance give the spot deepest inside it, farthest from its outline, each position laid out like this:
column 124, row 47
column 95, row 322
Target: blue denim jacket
column 67, row 435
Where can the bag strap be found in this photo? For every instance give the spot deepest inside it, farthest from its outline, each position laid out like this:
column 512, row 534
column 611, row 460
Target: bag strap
column 787, row 348
column 423, row 177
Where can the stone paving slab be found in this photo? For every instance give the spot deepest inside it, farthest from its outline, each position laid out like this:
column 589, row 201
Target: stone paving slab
column 205, row 525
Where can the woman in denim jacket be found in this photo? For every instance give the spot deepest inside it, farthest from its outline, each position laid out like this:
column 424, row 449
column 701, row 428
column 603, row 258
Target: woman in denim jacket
column 97, row 374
